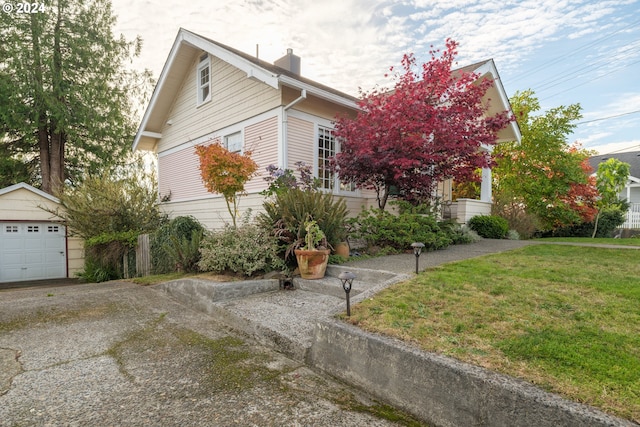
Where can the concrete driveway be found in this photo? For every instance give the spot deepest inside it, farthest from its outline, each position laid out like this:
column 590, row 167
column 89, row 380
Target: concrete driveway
column 118, row 354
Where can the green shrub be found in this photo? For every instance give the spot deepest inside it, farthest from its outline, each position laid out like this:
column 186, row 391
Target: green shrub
column 246, row 249
column 184, row 252
column 489, row 226
column 513, row 210
column 382, row 229
column 609, row 220
column 459, row 234
column 106, row 254
column 96, row 271
column 513, row 235
column 172, row 246
column 285, row 215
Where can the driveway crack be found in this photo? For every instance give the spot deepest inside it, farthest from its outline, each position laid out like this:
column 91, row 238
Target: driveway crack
column 10, row 367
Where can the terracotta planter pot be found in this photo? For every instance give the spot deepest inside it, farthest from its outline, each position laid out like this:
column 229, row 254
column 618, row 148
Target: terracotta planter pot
column 312, row 264
column 342, row 249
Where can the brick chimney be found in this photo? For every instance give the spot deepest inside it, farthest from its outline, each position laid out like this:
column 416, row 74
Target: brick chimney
column 289, row 62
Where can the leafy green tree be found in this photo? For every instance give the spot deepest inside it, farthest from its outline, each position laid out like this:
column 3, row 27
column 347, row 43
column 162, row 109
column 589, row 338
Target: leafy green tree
column 611, row 179
column 107, row 205
column 540, row 172
column 109, row 213
column 67, row 98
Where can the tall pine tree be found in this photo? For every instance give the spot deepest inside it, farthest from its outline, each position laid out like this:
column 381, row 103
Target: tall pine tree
column 67, row 99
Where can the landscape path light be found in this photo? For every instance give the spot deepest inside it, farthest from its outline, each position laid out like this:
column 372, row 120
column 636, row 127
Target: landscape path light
column 417, row 249
column 346, row 277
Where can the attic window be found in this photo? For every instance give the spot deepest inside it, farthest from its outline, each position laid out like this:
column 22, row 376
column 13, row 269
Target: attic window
column 203, row 80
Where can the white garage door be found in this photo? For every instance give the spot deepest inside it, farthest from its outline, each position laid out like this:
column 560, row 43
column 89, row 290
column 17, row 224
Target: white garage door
column 32, row 251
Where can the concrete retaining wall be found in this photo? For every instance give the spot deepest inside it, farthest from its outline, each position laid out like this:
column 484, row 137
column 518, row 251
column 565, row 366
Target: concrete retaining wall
column 199, row 294
column 438, row 389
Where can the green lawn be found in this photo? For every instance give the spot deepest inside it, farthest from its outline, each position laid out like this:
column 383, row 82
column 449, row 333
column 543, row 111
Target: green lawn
column 566, row 318
column 635, row 241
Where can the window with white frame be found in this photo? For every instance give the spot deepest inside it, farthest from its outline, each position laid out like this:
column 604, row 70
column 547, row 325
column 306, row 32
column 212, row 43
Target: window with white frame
column 233, row 142
column 203, row 79
column 327, row 148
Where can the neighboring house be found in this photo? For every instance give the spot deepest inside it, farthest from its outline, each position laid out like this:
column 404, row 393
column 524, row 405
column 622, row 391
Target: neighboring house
column 32, row 245
column 208, row 92
column 631, row 192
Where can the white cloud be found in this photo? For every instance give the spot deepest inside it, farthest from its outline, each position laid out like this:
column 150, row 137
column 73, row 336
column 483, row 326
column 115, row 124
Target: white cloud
column 348, row 44
column 619, row 147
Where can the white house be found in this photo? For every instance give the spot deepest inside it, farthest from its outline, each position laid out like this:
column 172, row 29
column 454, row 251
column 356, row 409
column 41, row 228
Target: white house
column 631, row 191
column 209, row 92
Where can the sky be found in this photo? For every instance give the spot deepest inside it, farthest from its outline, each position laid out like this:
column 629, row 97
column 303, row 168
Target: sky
column 583, row 52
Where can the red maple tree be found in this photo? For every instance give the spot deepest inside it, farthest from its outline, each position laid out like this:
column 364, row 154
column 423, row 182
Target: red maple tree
column 429, row 128
column 582, row 197
column 225, row 173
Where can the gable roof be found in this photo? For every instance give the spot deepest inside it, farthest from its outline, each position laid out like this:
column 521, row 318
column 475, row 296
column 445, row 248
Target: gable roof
column 185, row 46
column 27, row 187
column 487, row 69
column 630, row 157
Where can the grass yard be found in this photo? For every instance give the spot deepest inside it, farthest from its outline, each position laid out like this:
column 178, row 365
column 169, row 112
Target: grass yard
column 566, row 318
column 635, row 241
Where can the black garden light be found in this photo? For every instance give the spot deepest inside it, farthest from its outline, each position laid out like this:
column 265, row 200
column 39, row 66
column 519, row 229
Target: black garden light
column 346, row 278
column 417, row 249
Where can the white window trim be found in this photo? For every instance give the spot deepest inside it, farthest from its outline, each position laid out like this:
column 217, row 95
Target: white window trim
column 204, row 63
column 225, row 141
column 316, row 164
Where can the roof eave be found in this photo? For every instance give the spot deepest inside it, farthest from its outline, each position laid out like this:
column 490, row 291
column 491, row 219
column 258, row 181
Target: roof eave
column 141, row 140
column 25, row 186
column 323, row 94
column 489, row 67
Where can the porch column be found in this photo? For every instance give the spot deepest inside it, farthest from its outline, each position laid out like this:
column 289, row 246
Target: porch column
column 629, row 192
column 485, row 186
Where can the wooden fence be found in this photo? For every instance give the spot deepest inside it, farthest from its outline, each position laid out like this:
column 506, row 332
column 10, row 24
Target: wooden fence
column 143, row 256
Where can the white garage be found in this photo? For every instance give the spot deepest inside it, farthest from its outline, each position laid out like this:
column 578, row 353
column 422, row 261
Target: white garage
column 32, row 251
column 32, row 245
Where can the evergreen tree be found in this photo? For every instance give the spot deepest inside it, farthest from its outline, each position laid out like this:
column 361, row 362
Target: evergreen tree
column 67, row 99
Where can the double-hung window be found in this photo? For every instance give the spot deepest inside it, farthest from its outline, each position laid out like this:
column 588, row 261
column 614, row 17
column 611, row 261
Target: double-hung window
column 233, row 142
column 327, row 148
column 203, row 79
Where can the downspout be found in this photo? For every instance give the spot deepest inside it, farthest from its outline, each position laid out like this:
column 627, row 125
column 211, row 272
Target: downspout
column 284, row 154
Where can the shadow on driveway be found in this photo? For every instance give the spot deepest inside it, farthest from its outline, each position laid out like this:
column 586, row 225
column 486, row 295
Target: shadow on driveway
column 47, row 283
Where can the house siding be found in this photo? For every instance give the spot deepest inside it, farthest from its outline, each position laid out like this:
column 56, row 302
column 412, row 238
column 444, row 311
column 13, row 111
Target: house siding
column 262, row 140
column 179, row 168
column 300, row 146
column 234, row 98
column 179, row 174
column 212, row 212
column 237, row 104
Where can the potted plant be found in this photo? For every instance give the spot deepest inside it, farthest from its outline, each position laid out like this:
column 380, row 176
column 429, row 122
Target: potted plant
column 313, row 257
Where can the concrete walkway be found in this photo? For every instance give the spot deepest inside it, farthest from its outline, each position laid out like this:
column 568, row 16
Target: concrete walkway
column 406, row 263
